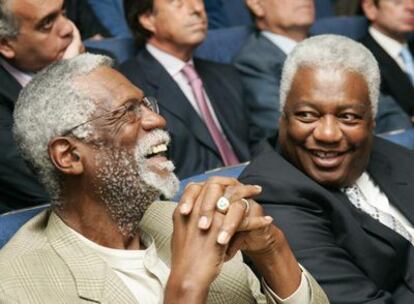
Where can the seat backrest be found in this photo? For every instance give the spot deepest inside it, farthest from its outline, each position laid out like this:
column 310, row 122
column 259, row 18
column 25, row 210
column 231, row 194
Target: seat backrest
column 121, row 48
column 402, row 137
column 354, row 27
column 11, row 222
column 324, row 9
column 222, row 44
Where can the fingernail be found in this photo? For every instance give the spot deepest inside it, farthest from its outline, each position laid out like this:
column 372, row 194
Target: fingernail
column 203, row 222
column 268, row 218
column 223, row 238
column 185, row 208
column 258, row 187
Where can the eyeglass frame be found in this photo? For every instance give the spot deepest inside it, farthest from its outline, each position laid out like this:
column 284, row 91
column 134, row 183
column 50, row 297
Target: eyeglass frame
column 149, row 102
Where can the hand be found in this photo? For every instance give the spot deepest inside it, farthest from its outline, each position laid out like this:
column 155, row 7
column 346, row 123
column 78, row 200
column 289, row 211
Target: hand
column 197, row 257
column 76, row 47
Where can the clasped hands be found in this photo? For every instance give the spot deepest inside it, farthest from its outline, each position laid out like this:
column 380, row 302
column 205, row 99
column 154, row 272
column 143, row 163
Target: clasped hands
column 204, row 238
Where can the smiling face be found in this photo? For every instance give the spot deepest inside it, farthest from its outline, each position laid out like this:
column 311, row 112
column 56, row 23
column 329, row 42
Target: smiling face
column 176, row 25
column 44, row 34
column 326, row 129
column 125, row 164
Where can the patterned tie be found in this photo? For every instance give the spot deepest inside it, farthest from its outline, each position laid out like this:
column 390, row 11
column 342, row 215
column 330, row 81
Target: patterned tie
column 357, row 199
column 408, row 62
column 226, row 152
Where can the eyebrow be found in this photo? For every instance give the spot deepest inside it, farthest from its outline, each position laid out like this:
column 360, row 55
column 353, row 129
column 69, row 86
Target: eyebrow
column 50, row 16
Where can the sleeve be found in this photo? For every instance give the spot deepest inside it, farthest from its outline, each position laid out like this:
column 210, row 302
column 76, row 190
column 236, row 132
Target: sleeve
column 19, row 187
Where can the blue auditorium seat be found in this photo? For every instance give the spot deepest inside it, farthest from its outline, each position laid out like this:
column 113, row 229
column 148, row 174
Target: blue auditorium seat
column 402, row 137
column 222, row 44
column 12, row 221
column 121, row 48
column 354, row 27
column 324, row 9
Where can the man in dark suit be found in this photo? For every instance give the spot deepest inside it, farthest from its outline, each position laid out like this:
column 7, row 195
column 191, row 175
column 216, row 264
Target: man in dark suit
column 33, row 34
column 280, row 25
column 342, row 196
column 202, row 101
column 392, row 22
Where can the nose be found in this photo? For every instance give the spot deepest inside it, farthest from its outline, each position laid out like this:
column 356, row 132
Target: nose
column 197, row 5
column 328, row 130
column 65, row 27
column 151, row 120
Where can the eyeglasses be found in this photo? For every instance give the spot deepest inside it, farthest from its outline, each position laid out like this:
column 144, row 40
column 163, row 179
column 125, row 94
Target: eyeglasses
column 132, row 109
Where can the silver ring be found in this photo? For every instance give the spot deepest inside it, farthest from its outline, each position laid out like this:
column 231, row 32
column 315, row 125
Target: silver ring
column 247, row 204
column 222, row 205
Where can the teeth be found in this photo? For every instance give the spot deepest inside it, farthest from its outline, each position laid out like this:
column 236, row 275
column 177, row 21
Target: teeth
column 326, row 154
column 159, row 148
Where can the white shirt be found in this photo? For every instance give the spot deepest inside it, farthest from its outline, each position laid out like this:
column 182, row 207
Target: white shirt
column 373, row 194
column 21, row 77
column 173, row 65
column 391, row 46
column 142, row 271
column 284, row 43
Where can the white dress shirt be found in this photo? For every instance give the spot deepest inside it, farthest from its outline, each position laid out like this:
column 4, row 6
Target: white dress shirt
column 373, row 194
column 391, row 46
column 21, row 77
column 284, row 43
column 173, row 65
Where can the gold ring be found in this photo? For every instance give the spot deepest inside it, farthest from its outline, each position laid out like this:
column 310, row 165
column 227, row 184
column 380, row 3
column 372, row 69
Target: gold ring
column 222, row 205
column 247, row 204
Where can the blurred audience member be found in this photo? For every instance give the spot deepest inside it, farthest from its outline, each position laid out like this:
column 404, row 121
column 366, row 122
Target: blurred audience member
column 280, row 25
column 97, row 143
column 201, row 100
column 112, row 16
column 342, row 196
column 81, row 14
column 33, row 34
column 347, row 7
column 392, row 22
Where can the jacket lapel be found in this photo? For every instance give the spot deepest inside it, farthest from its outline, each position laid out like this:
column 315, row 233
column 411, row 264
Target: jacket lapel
column 9, row 87
column 94, row 280
column 172, row 99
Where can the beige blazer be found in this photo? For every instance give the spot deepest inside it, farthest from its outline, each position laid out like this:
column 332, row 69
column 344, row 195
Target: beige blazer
column 45, row 263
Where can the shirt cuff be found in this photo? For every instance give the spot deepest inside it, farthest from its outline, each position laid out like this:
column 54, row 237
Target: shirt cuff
column 300, row 296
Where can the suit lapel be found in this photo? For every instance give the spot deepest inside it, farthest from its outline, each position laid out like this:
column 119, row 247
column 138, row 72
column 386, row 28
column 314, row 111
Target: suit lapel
column 94, row 280
column 172, row 99
column 398, row 82
column 9, row 87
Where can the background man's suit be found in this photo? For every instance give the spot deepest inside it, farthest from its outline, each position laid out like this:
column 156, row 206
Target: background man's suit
column 260, row 64
column 353, row 257
column 72, row 273
column 192, row 149
column 18, row 186
column 394, row 81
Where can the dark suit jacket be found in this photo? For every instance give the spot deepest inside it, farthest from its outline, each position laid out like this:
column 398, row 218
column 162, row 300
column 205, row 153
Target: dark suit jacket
column 394, row 81
column 260, row 64
column 193, row 150
column 18, row 186
column 355, row 258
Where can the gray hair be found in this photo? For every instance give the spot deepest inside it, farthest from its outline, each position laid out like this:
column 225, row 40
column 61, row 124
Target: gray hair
column 9, row 26
column 332, row 51
column 48, row 107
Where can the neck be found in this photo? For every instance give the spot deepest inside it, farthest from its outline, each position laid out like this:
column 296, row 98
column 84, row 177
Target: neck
column 91, row 218
column 400, row 37
column 183, row 53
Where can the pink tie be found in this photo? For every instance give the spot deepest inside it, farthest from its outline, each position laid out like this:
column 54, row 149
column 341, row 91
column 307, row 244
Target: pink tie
column 226, row 152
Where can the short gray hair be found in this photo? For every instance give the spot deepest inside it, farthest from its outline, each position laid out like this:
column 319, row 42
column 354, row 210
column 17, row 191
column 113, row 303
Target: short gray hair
column 332, row 51
column 48, row 107
column 9, row 26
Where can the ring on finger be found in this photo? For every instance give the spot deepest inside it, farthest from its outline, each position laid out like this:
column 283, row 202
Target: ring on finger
column 247, row 205
column 222, row 205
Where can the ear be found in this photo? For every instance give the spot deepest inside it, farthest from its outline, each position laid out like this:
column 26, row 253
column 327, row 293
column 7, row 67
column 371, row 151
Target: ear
column 6, row 49
column 370, row 10
column 65, row 155
column 147, row 21
column 256, row 7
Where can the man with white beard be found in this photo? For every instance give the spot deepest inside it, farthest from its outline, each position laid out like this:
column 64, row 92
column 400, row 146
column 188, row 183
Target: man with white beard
column 97, row 144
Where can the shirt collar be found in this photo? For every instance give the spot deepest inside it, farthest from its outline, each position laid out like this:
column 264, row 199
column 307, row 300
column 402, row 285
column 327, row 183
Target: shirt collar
column 391, row 46
column 284, row 43
column 172, row 64
column 21, row 77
